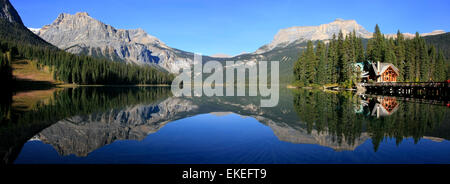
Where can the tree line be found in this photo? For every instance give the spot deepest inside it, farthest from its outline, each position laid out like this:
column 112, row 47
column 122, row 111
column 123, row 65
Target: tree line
column 5, row 66
column 334, row 114
column 78, row 69
column 333, row 62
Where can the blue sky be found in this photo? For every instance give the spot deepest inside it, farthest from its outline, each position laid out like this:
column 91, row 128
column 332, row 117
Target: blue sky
column 232, row 27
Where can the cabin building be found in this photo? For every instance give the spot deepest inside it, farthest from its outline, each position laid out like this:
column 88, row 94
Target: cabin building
column 378, row 72
column 383, row 72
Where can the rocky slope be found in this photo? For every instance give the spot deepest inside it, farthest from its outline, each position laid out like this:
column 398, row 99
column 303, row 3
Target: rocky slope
column 287, row 36
column 300, row 34
column 8, row 12
column 13, row 30
column 82, row 34
column 412, row 35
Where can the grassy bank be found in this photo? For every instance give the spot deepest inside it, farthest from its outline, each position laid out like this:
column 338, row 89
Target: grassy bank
column 29, row 74
column 26, row 70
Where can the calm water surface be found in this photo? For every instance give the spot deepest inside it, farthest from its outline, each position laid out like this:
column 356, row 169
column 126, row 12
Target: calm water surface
column 148, row 125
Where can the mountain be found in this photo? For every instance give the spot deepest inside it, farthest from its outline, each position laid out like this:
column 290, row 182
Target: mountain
column 70, row 68
column 13, row 30
column 220, row 55
column 287, row 36
column 411, row 35
column 288, row 43
column 82, row 34
column 35, row 30
column 8, row 12
column 300, row 34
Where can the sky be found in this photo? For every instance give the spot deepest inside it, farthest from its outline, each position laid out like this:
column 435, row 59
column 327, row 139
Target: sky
column 235, row 26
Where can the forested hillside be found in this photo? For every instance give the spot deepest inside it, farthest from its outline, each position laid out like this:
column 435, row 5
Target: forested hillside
column 18, row 41
column 334, row 62
column 441, row 42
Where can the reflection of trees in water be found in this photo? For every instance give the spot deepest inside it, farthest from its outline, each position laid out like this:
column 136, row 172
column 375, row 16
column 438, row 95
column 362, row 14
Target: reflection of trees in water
column 346, row 117
column 5, row 106
column 19, row 127
column 330, row 113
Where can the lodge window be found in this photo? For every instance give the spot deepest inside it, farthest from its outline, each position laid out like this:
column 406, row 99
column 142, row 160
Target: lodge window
column 389, row 75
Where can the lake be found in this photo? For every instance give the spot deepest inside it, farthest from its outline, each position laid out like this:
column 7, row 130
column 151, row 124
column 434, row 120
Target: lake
column 147, row 125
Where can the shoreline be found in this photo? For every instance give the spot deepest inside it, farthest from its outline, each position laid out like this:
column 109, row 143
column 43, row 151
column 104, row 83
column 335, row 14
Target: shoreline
column 324, row 87
column 110, row 85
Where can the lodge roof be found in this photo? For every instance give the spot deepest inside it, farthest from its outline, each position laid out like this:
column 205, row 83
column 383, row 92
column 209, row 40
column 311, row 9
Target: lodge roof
column 383, row 68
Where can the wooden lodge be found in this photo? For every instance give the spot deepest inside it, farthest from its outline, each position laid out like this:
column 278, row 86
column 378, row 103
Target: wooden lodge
column 378, row 72
column 383, row 72
column 384, row 77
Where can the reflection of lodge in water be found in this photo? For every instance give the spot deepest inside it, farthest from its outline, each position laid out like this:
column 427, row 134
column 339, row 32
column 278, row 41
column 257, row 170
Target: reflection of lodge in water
column 378, row 106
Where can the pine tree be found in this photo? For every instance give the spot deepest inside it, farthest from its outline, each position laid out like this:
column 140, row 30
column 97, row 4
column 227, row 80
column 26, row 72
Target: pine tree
column 410, row 68
column 424, row 62
column 400, row 55
column 341, row 53
column 418, row 58
column 432, row 58
column 441, row 73
column 311, row 63
column 321, row 77
column 299, row 68
column 360, row 53
column 332, row 68
column 376, row 46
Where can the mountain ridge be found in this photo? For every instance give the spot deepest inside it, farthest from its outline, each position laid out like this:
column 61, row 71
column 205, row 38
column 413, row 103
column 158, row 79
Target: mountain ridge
column 82, row 34
column 291, row 35
column 12, row 28
column 9, row 13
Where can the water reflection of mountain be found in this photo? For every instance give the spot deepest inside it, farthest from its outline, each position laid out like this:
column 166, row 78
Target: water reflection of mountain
column 79, row 121
column 18, row 126
column 80, row 135
column 298, row 135
column 340, row 128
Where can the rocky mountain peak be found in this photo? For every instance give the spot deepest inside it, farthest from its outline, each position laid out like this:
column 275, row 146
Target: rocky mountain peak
column 82, row 14
column 322, row 32
column 82, row 34
column 8, row 12
column 81, row 18
column 343, row 21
